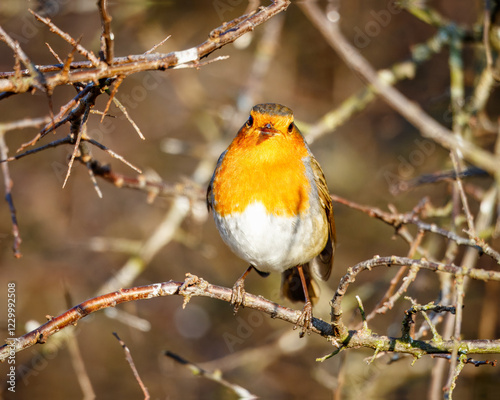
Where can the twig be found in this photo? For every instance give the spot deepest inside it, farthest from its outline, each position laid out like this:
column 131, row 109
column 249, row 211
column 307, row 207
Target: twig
column 336, row 310
column 80, row 370
column 89, row 55
column 116, row 84
column 69, row 60
column 417, row 308
column 38, row 80
column 89, row 71
column 56, row 56
column 145, row 183
column 336, row 332
column 389, row 298
column 55, row 143
column 111, row 153
column 360, row 100
column 8, row 195
column 157, row 45
column 130, row 360
column 398, row 220
column 412, row 112
column 448, row 392
column 79, row 104
column 77, row 128
column 216, row 376
column 8, row 183
column 86, row 159
column 129, row 119
column 107, row 37
column 476, row 363
column 198, row 64
column 362, row 312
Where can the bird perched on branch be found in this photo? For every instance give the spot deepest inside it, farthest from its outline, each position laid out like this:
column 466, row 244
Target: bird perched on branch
column 271, row 205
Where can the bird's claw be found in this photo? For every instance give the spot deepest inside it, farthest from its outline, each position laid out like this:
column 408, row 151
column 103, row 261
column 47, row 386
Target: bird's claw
column 237, row 295
column 305, row 320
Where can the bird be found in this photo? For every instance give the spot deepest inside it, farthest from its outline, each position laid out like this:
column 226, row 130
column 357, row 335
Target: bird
column 271, row 205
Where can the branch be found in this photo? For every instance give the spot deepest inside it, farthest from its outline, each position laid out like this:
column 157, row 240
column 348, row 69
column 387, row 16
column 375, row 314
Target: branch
column 66, row 37
column 341, row 330
column 35, row 78
column 8, row 183
column 397, row 220
column 428, row 127
column 152, row 185
column 107, row 37
column 216, row 376
column 124, row 66
column 193, row 286
column 335, row 332
column 130, row 361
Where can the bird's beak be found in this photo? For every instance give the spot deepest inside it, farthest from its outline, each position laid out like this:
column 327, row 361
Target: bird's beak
column 268, row 130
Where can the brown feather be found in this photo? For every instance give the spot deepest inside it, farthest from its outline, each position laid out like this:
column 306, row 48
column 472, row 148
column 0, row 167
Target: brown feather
column 322, row 264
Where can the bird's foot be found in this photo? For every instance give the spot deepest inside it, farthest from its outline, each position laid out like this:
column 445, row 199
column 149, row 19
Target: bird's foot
column 238, row 294
column 305, row 320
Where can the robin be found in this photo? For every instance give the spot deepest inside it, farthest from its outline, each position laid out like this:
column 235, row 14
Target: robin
column 271, row 205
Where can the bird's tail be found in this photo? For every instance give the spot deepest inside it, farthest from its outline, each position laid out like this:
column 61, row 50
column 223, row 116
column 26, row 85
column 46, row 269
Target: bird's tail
column 291, row 285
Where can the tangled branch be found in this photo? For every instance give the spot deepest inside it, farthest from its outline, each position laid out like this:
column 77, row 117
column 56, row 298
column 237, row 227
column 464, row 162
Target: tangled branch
column 51, row 76
column 95, row 77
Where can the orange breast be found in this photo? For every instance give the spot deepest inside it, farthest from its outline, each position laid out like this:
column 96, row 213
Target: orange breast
column 269, row 171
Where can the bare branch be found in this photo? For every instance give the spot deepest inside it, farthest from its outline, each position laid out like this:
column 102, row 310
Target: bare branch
column 157, row 45
column 411, row 111
column 337, row 332
column 398, row 220
column 77, row 127
column 55, row 143
column 240, row 391
column 36, row 78
column 130, row 360
column 476, row 363
column 66, row 37
column 8, row 196
column 56, row 56
column 129, row 119
column 337, row 324
column 151, row 185
column 107, row 37
column 116, row 84
column 111, row 153
column 86, row 72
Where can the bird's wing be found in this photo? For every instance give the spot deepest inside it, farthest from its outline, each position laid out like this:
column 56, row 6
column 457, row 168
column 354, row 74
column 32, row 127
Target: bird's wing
column 322, row 265
column 210, row 197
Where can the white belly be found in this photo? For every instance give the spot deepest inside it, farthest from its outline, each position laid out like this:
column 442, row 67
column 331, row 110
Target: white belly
column 273, row 243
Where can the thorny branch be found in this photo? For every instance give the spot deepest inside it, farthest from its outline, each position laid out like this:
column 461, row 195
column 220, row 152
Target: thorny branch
column 337, row 332
column 95, row 77
column 107, row 37
column 81, row 72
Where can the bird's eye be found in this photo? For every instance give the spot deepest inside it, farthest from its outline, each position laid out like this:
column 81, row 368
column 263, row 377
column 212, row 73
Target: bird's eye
column 290, row 128
column 249, row 122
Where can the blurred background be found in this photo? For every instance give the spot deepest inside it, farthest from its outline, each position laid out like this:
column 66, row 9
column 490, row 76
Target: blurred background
column 74, row 242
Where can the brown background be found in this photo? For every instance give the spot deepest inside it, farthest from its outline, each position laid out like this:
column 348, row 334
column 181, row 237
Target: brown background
column 264, row 355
